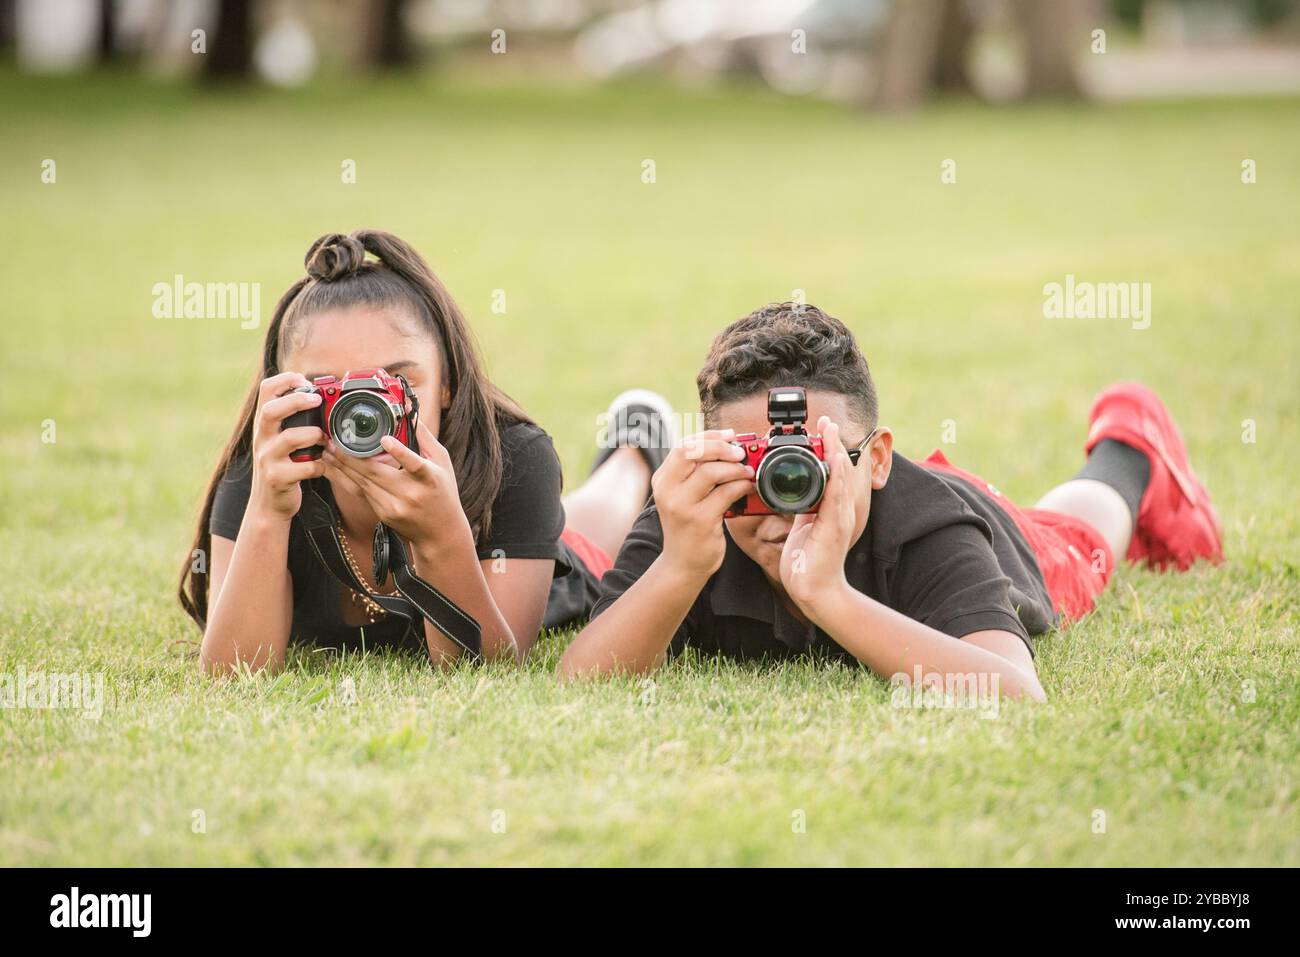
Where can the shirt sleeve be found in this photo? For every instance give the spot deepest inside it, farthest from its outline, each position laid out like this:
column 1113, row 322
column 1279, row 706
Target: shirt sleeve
column 527, row 517
column 950, row 580
column 231, row 500
column 644, row 543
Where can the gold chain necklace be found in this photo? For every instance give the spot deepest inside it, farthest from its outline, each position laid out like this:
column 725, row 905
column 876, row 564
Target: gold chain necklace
column 374, row 611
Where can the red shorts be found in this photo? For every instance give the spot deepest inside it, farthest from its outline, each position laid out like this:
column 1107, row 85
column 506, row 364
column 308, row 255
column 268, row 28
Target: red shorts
column 591, row 554
column 1075, row 560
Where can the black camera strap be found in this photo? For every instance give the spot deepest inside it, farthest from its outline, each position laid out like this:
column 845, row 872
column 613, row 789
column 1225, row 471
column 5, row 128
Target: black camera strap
column 415, row 599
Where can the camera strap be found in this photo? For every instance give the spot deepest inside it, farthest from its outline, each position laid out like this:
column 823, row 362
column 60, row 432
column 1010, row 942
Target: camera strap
column 415, row 598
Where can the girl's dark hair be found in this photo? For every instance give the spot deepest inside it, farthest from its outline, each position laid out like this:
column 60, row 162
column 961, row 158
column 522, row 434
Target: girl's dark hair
column 338, row 277
column 784, row 344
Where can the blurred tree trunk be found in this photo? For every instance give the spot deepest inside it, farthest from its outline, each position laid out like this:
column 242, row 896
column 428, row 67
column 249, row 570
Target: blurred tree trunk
column 230, row 52
column 8, row 30
column 956, row 29
column 1055, row 32
column 926, row 41
column 107, row 31
column 389, row 45
column 907, row 63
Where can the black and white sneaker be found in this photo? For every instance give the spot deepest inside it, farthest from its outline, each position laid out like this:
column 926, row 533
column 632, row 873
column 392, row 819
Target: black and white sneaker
column 639, row 419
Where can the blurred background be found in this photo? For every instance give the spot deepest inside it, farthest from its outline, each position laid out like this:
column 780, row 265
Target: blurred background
column 602, row 186
column 872, row 52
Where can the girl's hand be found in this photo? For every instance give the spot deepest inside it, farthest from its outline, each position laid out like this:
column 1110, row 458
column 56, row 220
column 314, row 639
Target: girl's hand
column 812, row 562
column 415, row 495
column 275, row 491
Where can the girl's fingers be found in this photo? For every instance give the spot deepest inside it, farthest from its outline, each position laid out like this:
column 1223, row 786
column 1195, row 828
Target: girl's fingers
column 366, row 472
column 272, row 415
column 345, row 465
column 381, row 502
column 338, row 477
column 279, row 384
column 302, row 471
column 410, row 461
column 290, row 440
column 359, row 483
column 430, row 447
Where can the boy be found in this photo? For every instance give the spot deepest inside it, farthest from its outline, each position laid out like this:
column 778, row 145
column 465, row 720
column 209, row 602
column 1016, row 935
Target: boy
column 905, row 565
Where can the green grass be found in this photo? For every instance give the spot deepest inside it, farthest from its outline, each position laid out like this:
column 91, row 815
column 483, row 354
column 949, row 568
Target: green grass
column 1174, row 709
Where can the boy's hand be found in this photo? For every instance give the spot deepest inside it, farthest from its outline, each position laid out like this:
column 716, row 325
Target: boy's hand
column 812, row 562
column 699, row 481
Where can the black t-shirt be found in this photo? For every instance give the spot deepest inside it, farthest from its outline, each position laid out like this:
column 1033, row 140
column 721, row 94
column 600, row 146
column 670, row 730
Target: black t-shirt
column 936, row 549
column 527, row 519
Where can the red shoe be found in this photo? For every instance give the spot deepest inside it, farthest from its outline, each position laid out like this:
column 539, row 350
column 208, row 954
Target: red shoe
column 1176, row 524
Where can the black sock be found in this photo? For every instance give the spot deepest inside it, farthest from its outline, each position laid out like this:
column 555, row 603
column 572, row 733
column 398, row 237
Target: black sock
column 1124, row 468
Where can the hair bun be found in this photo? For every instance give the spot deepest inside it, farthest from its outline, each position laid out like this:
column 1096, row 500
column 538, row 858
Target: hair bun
column 335, row 256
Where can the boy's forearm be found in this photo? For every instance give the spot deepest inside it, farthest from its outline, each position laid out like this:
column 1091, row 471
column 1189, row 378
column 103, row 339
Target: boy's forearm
column 633, row 634
column 888, row 643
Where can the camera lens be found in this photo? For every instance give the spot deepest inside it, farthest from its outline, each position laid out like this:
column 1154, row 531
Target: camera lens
column 359, row 421
column 790, row 480
column 364, row 421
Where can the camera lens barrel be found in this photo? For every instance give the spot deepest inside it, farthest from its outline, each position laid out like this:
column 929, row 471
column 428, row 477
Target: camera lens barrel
column 360, row 419
column 790, row 479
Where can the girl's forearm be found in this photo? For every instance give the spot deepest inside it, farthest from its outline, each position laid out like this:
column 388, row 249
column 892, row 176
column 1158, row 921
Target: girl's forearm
column 453, row 568
column 251, row 616
column 890, row 643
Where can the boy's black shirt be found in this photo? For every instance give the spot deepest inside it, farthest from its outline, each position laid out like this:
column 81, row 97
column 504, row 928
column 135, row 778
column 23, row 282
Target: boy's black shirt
column 527, row 519
column 936, row 548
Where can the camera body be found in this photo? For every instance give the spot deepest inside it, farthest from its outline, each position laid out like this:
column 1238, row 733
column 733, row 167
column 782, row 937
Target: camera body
column 790, row 470
column 356, row 411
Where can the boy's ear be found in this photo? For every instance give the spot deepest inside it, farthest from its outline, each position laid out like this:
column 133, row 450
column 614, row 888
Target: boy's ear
column 882, row 457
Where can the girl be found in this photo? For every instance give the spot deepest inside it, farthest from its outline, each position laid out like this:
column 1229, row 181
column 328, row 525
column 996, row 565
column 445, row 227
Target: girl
column 484, row 485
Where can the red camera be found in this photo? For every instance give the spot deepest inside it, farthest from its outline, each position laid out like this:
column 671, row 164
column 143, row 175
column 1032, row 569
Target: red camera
column 789, row 466
column 356, row 412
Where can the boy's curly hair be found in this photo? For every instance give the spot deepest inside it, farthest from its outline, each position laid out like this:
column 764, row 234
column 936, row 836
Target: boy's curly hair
column 786, row 344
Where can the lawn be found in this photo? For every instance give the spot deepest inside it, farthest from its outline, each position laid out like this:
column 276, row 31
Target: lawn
column 1173, row 715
